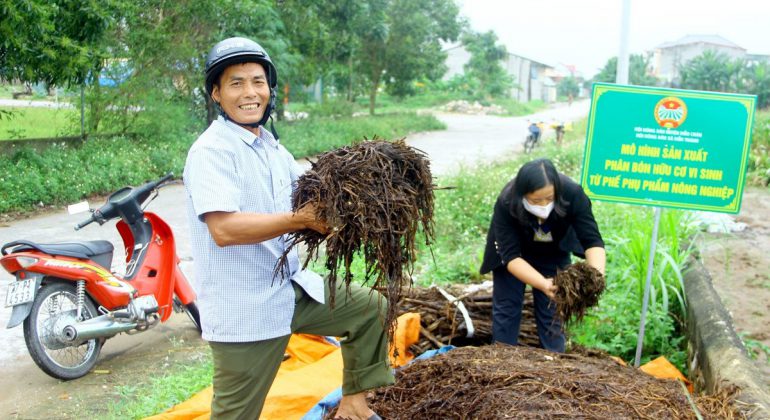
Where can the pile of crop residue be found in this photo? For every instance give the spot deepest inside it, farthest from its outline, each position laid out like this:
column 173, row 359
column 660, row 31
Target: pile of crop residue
column 374, row 196
column 500, row 381
column 442, row 321
column 579, row 288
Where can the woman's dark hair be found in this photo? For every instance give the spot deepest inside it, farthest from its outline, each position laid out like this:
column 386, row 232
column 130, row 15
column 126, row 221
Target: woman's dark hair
column 531, row 177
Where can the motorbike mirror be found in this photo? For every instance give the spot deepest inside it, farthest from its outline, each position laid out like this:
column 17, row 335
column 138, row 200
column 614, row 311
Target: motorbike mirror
column 77, row 208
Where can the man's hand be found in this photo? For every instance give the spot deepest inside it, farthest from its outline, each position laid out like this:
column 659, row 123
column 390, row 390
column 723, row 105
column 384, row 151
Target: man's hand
column 307, row 216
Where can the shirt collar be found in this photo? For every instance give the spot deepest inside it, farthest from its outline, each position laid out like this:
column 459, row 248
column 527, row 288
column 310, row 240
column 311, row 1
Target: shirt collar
column 247, row 136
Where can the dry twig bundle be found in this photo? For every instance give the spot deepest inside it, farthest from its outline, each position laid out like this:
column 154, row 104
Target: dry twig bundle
column 500, row 381
column 374, row 196
column 442, row 323
column 580, row 286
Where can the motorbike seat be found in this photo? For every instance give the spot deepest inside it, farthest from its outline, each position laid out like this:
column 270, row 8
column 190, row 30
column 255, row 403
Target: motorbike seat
column 99, row 251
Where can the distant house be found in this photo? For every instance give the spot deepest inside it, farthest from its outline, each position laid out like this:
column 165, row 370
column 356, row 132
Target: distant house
column 531, row 79
column 669, row 56
column 757, row 58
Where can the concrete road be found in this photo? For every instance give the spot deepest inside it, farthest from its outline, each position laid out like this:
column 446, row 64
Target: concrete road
column 23, row 103
column 468, row 139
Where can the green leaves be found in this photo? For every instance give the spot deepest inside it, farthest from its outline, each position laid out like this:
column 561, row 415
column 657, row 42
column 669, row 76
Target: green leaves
column 485, row 65
column 638, row 71
column 55, row 42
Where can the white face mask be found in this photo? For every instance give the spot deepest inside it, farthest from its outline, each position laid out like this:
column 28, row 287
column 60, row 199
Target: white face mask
column 539, row 211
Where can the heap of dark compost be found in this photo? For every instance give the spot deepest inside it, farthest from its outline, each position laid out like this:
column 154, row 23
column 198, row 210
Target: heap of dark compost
column 579, row 288
column 501, row 381
column 374, row 196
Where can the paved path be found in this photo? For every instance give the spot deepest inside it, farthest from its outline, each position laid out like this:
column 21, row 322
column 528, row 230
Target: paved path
column 23, row 103
column 468, row 139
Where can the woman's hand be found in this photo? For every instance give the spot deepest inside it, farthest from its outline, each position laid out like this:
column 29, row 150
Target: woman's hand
column 549, row 288
column 526, row 273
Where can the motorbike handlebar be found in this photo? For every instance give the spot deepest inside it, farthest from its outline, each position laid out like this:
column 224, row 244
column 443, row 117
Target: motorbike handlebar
column 109, row 210
column 85, row 223
column 144, row 191
column 165, row 178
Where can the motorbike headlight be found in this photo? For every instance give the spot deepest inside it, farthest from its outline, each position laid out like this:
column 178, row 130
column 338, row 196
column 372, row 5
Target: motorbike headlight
column 25, row 262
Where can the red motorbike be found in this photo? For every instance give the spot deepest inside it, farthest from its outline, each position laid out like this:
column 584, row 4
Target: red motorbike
column 71, row 303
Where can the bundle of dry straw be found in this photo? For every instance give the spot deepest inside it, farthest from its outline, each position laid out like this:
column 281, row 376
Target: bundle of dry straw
column 579, row 288
column 374, row 196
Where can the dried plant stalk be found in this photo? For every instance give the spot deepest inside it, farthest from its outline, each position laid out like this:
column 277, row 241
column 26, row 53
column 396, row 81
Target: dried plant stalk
column 502, row 382
column 579, row 288
column 374, row 196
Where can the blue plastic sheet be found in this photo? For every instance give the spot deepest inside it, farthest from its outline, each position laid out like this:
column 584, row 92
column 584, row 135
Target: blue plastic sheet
column 332, row 400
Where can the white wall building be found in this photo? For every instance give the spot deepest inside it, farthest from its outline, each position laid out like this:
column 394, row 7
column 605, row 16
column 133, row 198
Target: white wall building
column 669, row 56
column 530, row 78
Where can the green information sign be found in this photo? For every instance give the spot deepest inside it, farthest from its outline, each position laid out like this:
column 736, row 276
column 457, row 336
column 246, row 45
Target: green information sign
column 667, row 147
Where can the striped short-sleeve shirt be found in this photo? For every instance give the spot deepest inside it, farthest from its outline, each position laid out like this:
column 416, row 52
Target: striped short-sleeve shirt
column 229, row 169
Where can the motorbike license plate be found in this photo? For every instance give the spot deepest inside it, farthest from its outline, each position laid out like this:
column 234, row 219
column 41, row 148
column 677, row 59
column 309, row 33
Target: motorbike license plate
column 19, row 292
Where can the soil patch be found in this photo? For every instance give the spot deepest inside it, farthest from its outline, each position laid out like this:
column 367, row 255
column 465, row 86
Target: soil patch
column 30, row 394
column 740, row 269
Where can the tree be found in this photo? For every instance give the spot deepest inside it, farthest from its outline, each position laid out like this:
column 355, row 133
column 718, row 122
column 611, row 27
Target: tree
column 569, row 86
column 759, row 83
column 484, row 64
column 164, row 46
column 400, row 42
column 716, row 72
column 325, row 35
column 639, row 73
column 711, row 71
column 57, row 42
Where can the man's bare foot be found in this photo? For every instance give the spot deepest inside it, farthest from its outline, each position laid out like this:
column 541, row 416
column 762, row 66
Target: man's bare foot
column 354, row 407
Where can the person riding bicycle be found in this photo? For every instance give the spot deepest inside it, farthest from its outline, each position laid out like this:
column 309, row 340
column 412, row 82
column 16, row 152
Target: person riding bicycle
column 534, row 131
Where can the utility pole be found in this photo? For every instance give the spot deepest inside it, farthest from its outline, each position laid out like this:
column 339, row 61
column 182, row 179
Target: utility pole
column 621, row 76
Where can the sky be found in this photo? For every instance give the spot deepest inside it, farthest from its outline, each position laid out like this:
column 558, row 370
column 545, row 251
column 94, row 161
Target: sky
column 586, row 33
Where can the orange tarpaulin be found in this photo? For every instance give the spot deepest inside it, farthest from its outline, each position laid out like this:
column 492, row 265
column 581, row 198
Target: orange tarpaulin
column 663, row 369
column 313, row 370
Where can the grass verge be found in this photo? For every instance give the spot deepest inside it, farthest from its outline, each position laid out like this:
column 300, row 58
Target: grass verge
column 64, row 174
column 33, row 123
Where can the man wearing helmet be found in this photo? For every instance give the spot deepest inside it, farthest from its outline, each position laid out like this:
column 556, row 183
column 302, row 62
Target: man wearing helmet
column 239, row 183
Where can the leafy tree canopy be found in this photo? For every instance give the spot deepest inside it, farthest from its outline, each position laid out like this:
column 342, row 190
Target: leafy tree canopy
column 56, row 42
column 717, row 72
column 639, row 73
column 400, row 42
column 485, row 64
column 569, row 86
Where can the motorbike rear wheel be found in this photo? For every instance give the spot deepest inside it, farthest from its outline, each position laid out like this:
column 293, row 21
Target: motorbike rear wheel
column 55, row 307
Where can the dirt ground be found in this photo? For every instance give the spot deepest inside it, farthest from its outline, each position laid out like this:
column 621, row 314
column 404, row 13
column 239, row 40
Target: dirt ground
column 739, row 264
column 31, row 394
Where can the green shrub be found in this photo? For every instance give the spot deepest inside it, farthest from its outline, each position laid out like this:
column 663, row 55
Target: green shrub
column 331, row 108
column 759, row 158
column 309, row 137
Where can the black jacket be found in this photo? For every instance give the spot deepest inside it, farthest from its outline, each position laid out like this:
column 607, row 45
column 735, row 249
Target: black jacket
column 509, row 237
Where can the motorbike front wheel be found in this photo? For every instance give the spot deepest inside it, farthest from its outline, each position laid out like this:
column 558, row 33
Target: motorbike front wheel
column 55, row 307
column 191, row 309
